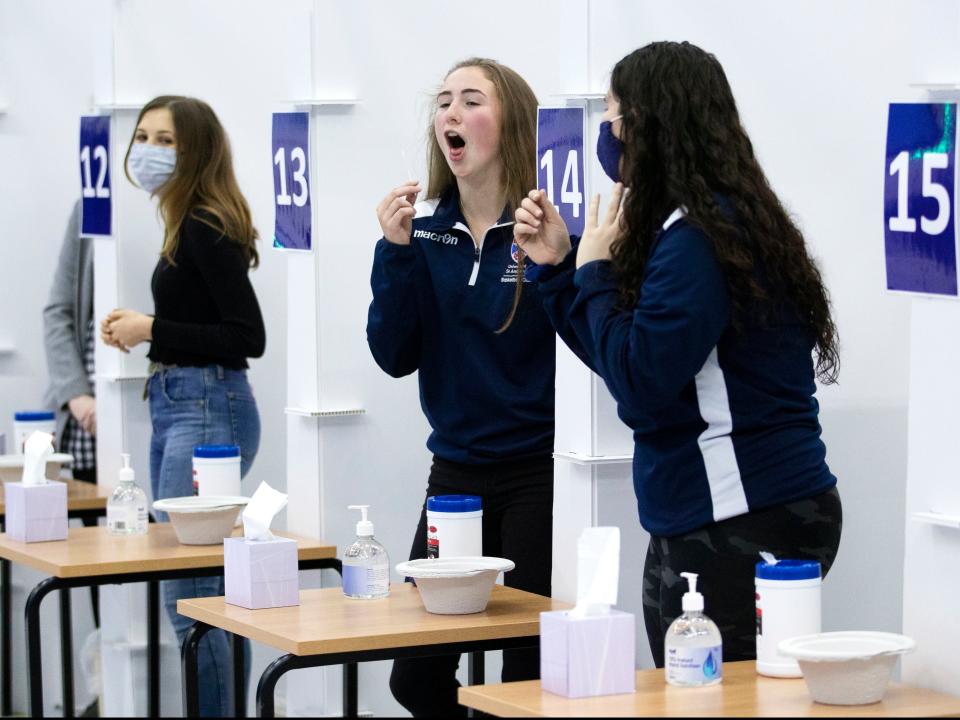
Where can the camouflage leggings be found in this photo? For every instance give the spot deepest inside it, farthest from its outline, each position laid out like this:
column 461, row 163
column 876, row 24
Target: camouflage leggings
column 725, row 554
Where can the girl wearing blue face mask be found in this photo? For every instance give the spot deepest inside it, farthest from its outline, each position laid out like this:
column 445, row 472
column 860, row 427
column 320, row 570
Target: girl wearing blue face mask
column 206, row 323
column 696, row 300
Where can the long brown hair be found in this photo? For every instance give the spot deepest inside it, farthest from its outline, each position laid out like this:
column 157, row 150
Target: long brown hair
column 518, row 146
column 203, row 184
column 684, row 146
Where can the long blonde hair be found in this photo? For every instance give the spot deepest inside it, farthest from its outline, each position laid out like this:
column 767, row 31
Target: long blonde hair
column 203, row 184
column 518, row 146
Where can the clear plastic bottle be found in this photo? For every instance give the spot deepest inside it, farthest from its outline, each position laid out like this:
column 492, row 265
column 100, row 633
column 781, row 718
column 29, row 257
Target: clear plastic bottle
column 693, row 648
column 127, row 507
column 366, row 567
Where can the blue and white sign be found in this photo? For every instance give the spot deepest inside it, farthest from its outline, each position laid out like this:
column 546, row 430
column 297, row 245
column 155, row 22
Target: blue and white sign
column 918, row 198
column 291, row 180
column 95, row 174
column 560, row 162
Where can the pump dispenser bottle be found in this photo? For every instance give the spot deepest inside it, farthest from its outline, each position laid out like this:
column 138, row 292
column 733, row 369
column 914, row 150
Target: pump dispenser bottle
column 366, row 567
column 127, row 507
column 693, row 648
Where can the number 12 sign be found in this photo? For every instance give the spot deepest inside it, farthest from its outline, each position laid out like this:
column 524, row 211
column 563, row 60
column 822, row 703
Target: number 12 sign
column 918, row 198
column 95, row 174
column 291, row 180
column 560, row 162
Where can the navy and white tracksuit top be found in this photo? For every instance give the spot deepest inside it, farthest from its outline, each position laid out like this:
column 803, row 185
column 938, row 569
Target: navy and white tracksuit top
column 437, row 304
column 724, row 422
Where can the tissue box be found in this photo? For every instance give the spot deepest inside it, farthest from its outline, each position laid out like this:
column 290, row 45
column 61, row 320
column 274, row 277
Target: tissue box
column 584, row 656
column 36, row 513
column 261, row 573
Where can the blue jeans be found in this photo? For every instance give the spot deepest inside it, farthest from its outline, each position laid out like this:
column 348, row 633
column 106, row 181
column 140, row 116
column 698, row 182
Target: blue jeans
column 199, row 406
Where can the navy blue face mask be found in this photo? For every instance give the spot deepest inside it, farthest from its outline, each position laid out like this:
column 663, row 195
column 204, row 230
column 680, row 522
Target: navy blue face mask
column 609, row 150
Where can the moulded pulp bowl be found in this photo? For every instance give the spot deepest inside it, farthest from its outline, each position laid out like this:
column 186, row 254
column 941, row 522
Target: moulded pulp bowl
column 11, row 466
column 202, row 520
column 847, row 668
column 455, row 586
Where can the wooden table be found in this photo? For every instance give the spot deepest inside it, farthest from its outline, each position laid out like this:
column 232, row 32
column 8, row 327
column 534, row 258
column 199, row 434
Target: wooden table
column 90, row 557
column 742, row 693
column 85, row 501
column 330, row 629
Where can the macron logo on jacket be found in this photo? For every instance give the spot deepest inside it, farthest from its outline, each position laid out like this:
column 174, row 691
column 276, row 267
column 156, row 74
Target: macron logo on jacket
column 444, row 239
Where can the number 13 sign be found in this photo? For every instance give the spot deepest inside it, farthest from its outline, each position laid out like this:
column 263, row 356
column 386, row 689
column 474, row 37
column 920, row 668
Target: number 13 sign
column 560, row 162
column 291, row 180
column 918, row 198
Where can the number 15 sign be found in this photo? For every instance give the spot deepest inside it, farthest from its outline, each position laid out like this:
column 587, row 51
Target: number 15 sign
column 918, row 198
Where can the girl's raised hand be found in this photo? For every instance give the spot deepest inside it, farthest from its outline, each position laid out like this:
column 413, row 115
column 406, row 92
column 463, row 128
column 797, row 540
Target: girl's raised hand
column 599, row 234
column 396, row 212
column 540, row 231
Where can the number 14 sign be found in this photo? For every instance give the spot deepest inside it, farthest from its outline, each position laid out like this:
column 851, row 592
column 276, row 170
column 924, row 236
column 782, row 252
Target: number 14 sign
column 918, row 198
column 560, row 162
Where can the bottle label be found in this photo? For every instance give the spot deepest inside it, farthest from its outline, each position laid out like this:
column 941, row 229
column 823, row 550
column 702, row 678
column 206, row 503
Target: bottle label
column 361, row 580
column 694, row 666
column 759, row 614
column 433, row 542
column 127, row 519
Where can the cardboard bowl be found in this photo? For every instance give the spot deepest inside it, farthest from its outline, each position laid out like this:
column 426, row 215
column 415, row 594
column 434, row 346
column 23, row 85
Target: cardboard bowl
column 847, row 668
column 11, row 466
column 202, row 520
column 455, row 586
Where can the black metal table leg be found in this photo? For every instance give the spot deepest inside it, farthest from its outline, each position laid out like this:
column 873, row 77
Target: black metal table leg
column 239, row 676
column 268, row 684
column 34, row 660
column 476, row 670
column 6, row 623
column 66, row 652
column 350, row 708
column 153, row 648
column 189, row 671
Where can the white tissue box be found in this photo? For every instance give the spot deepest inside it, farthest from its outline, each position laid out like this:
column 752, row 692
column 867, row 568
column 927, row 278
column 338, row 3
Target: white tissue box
column 261, row 573
column 584, row 656
column 36, row 513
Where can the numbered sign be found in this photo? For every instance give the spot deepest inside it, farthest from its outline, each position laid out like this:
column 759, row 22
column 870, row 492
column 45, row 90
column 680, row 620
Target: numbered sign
column 560, row 162
column 95, row 174
column 918, row 198
column 291, row 180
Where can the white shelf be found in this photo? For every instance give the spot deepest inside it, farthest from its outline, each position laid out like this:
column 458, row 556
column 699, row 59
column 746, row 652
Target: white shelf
column 935, row 86
column 932, row 518
column 579, row 459
column 8, row 350
column 318, row 413
column 324, row 102
column 122, row 378
column 118, row 107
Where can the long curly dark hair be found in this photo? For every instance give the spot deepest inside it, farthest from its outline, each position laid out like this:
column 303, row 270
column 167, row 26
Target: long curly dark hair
column 684, row 146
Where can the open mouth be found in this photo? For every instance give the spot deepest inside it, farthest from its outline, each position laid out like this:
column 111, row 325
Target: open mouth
column 454, row 141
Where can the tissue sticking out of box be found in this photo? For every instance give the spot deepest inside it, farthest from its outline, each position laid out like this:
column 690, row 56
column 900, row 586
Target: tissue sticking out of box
column 598, row 571
column 260, row 511
column 36, row 450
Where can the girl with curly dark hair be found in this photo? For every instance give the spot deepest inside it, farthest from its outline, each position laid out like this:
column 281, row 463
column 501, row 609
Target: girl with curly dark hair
column 696, row 300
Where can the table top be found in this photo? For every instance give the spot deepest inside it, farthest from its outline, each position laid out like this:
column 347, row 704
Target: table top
column 327, row 622
column 92, row 551
column 80, row 496
column 742, row 693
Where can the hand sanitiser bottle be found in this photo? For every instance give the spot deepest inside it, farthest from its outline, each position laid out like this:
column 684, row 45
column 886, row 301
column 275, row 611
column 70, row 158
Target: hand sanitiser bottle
column 127, row 507
column 693, row 646
column 366, row 567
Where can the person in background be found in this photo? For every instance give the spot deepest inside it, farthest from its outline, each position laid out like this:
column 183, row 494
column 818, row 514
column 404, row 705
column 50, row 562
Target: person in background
column 698, row 303
column 450, row 301
column 206, row 323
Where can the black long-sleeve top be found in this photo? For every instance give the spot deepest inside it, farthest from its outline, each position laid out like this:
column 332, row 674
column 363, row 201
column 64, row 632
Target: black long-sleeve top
column 206, row 312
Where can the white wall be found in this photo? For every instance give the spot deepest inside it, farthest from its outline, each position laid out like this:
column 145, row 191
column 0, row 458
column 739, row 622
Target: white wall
column 812, row 80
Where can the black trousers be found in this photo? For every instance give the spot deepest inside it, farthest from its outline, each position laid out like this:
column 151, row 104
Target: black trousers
column 725, row 555
column 517, row 525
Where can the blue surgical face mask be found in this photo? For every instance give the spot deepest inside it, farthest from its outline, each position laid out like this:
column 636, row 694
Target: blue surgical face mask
column 609, row 149
column 151, row 165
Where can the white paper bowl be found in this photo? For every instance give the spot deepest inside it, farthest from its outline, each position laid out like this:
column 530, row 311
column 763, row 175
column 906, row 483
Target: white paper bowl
column 847, row 668
column 455, row 586
column 202, row 520
column 11, row 466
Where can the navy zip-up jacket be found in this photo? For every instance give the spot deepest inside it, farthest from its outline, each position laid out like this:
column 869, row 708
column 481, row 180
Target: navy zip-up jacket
column 437, row 304
column 724, row 422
